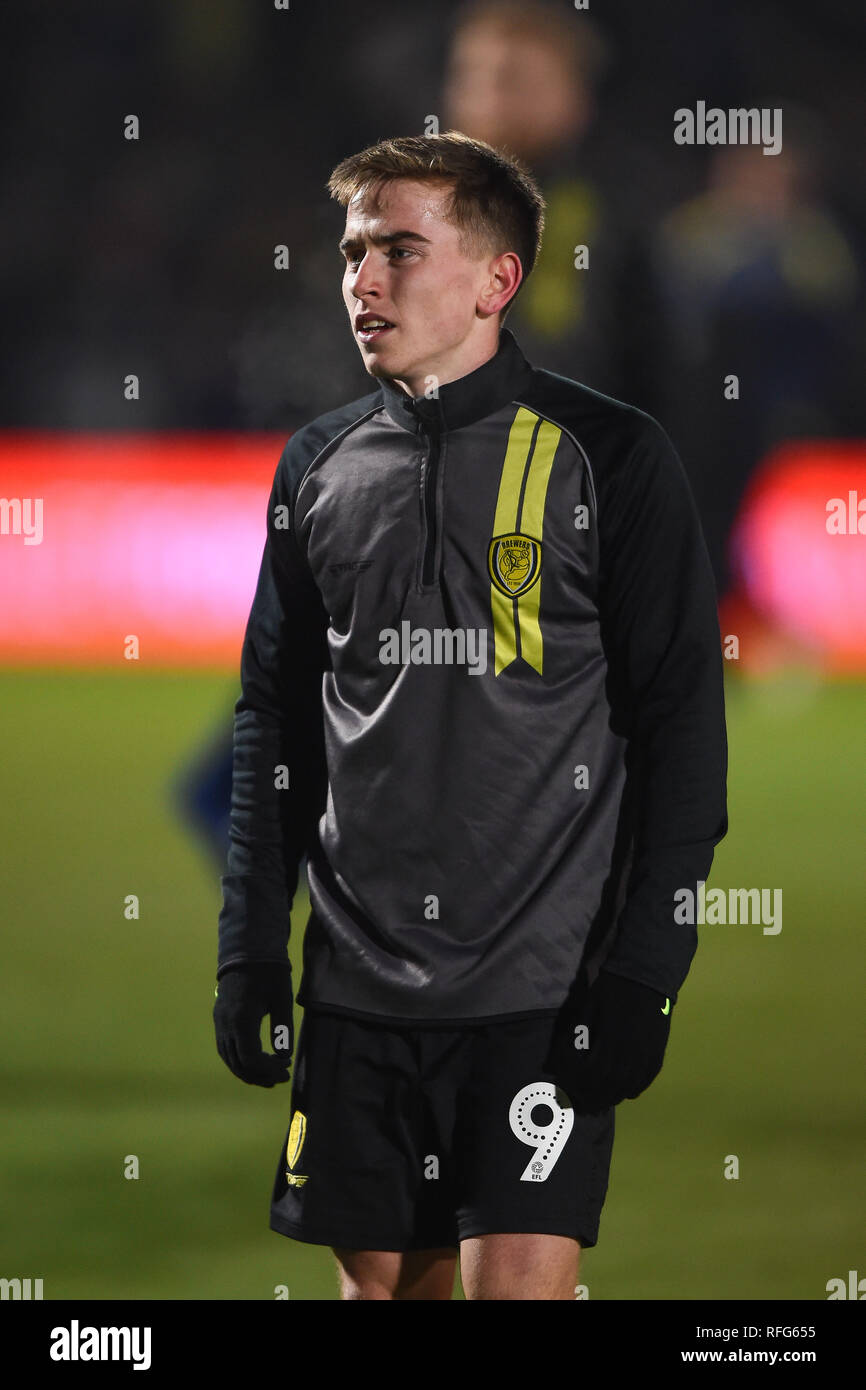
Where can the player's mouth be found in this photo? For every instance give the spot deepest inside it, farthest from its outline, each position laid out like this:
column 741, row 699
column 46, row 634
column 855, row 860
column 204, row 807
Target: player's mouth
column 371, row 327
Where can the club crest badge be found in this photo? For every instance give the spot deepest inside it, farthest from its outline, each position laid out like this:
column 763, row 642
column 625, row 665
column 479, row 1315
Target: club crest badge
column 514, row 562
column 297, row 1135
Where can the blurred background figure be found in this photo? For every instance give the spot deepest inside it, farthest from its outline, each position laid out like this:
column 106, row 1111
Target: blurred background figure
column 203, row 793
column 524, row 77
column 760, row 280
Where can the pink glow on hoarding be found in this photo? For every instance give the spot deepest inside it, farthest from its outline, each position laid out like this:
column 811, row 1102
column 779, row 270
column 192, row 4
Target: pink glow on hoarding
column 160, row 537
column 809, row 581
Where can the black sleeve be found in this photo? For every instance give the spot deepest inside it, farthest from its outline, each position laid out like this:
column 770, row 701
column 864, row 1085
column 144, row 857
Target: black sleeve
column 660, row 629
column 278, row 723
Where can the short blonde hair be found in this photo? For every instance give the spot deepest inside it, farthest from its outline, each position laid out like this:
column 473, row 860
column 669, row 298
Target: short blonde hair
column 494, row 200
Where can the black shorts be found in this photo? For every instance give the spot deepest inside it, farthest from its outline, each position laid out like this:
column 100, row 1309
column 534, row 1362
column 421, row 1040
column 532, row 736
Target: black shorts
column 405, row 1138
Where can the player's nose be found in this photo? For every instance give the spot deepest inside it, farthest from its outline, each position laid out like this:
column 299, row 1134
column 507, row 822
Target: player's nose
column 367, row 277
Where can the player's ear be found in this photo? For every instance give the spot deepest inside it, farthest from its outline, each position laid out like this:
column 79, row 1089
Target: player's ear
column 504, row 274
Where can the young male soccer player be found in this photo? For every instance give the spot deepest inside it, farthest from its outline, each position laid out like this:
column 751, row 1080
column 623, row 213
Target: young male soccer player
column 482, row 691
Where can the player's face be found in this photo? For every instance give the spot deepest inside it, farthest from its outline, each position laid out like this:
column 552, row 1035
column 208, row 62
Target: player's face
column 404, row 265
column 514, row 91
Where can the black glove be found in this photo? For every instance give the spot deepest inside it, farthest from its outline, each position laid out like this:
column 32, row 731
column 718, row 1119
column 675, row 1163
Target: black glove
column 627, row 1024
column 244, row 994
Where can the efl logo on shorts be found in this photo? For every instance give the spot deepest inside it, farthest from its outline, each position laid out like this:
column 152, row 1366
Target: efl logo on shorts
column 297, row 1135
column 514, row 562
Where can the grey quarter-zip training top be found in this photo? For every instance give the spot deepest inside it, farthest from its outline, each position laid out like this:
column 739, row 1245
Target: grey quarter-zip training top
column 481, row 691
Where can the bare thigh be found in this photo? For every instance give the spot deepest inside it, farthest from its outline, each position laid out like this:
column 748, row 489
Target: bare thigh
column 517, row 1266
column 395, row 1274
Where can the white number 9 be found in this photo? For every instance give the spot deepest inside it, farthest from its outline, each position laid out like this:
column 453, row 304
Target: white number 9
column 549, row 1139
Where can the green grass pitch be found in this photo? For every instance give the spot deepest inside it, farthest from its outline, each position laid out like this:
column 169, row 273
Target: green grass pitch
column 108, row 1047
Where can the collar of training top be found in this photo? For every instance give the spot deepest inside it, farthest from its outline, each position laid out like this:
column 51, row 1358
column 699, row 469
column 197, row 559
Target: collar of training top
column 470, row 398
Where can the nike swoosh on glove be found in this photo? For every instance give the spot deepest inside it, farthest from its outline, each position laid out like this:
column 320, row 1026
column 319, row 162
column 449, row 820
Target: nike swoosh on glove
column 245, row 994
column 621, row 1053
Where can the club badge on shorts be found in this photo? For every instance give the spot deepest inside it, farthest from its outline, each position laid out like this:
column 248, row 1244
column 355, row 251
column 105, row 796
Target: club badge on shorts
column 297, row 1135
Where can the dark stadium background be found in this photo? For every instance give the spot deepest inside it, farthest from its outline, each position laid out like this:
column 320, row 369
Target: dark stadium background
column 155, row 257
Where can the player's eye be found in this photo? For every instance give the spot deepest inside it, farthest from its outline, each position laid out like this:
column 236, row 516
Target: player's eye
column 354, row 258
